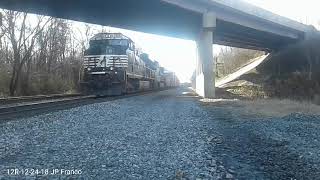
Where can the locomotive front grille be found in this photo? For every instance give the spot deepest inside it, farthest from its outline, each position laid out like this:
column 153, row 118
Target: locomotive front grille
column 91, row 62
column 107, row 61
column 118, row 62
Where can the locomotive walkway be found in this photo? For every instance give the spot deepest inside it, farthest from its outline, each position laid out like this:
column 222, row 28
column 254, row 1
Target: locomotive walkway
column 164, row 135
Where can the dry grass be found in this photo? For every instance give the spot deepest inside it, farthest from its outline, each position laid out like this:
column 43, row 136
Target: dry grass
column 278, row 108
column 264, row 107
column 251, row 92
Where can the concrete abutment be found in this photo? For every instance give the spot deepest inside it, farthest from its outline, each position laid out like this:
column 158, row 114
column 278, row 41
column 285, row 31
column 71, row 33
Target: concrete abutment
column 205, row 72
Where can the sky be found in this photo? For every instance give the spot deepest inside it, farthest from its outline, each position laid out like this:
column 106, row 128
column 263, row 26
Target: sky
column 180, row 55
column 304, row 11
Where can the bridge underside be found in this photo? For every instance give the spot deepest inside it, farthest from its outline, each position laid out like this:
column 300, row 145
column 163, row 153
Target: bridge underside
column 187, row 19
column 150, row 16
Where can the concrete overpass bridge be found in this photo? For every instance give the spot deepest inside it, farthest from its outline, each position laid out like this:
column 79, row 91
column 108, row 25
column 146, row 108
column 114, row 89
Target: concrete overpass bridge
column 224, row 22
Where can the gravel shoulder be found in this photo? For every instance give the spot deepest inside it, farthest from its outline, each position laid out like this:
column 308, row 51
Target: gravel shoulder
column 165, row 135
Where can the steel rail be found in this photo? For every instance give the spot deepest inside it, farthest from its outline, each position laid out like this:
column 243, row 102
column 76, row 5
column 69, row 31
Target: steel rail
column 34, row 108
column 22, row 110
column 21, row 99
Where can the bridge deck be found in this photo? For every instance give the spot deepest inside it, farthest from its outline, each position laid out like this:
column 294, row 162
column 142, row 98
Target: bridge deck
column 238, row 24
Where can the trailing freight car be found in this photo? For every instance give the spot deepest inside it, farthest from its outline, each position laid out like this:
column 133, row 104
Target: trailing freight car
column 114, row 66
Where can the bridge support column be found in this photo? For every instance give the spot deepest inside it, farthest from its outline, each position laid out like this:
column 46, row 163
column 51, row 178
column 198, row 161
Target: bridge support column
column 205, row 72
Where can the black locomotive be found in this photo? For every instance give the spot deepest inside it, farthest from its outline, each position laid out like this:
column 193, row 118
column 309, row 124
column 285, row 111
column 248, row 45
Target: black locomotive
column 114, row 66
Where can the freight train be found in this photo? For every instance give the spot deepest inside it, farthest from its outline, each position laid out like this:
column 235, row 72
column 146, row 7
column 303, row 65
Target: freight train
column 113, row 65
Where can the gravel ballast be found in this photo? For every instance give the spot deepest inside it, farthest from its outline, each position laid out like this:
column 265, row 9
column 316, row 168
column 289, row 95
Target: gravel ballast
column 164, row 135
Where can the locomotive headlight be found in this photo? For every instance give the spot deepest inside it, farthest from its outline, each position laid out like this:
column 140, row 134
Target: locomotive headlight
column 89, row 69
column 111, row 68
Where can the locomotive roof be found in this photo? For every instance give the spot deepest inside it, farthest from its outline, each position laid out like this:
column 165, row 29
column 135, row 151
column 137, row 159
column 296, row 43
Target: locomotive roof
column 101, row 36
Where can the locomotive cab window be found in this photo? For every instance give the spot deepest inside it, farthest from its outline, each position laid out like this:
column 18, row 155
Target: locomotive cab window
column 131, row 46
column 108, row 47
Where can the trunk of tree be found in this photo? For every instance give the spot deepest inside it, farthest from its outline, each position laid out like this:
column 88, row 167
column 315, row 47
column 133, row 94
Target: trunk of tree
column 309, row 60
column 26, row 79
column 13, row 80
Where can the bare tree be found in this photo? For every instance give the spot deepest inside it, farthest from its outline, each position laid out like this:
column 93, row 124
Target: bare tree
column 40, row 55
column 234, row 58
column 22, row 41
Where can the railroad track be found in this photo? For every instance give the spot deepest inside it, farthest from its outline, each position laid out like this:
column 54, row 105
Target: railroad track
column 17, row 110
column 14, row 111
column 22, row 99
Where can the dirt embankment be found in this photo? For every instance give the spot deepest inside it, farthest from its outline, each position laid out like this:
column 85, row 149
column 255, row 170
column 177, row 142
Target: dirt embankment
column 292, row 73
